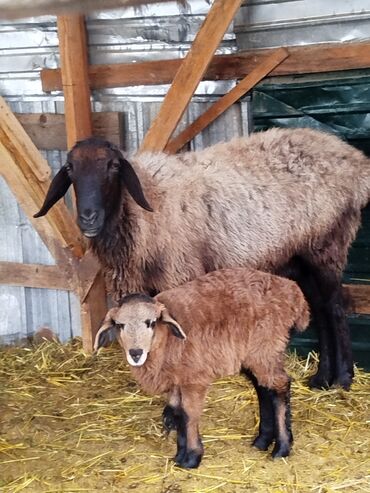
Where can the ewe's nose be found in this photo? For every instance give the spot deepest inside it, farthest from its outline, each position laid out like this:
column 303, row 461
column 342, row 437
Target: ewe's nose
column 88, row 216
column 135, row 354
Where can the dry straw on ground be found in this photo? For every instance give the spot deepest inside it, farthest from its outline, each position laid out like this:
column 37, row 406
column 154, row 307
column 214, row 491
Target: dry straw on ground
column 71, row 422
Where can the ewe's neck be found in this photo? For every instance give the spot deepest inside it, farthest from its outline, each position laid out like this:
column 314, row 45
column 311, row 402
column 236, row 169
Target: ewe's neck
column 123, row 245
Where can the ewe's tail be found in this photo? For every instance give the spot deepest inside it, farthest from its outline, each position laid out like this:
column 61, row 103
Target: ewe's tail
column 302, row 312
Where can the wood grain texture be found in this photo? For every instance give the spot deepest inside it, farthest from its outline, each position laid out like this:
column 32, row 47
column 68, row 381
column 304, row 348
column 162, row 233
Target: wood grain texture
column 74, row 65
column 34, row 276
column 48, row 130
column 360, row 295
column 227, row 100
column 190, row 73
column 302, row 60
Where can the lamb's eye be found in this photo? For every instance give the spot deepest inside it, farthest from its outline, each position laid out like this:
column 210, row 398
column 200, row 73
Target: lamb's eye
column 120, row 326
column 150, row 323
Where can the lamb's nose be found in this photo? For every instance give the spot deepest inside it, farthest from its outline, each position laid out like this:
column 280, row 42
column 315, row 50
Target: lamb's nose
column 135, row 354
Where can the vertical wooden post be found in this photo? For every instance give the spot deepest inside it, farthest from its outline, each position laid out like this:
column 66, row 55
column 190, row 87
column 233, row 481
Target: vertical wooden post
column 75, row 79
column 74, row 65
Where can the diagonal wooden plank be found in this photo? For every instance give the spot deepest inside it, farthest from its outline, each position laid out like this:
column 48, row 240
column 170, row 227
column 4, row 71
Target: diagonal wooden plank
column 30, row 202
column 23, row 163
column 190, row 73
column 227, row 100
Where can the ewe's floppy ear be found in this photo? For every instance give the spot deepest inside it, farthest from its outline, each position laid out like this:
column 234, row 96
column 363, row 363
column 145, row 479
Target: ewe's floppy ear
column 102, row 336
column 132, row 183
column 57, row 189
column 174, row 326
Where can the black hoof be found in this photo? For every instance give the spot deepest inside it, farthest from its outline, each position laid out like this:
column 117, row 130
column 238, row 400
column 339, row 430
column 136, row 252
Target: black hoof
column 180, row 456
column 169, row 419
column 320, row 381
column 344, row 380
column 262, row 442
column 190, row 460
column 281, row 450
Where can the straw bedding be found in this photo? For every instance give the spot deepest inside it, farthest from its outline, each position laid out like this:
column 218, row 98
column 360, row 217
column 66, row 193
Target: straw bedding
column 70, row 422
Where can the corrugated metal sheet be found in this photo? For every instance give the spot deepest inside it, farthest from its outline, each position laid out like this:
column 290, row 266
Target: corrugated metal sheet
column 269, row 23
column 128, row 35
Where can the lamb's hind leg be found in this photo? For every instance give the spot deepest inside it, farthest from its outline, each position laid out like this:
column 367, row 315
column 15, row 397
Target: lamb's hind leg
column 272, row 376
column 266, row 429
column 284, row 436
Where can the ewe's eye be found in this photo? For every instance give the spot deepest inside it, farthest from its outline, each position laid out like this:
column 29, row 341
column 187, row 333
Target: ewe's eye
column 113, row 165
column 69, row 167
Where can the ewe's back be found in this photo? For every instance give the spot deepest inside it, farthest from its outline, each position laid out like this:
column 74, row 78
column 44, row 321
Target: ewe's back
column 284, row 157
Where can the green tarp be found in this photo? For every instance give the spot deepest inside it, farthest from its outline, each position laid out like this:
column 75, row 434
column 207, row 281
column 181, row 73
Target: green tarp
column 340, row 105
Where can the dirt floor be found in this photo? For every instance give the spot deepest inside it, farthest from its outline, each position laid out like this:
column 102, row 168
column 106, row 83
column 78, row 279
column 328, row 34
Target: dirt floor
column 70, row 422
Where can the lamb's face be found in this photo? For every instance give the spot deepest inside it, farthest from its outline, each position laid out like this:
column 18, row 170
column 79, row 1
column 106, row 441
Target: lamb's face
column 134, row 323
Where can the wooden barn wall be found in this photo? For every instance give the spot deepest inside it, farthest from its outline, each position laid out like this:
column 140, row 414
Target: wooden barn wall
column 27, row 46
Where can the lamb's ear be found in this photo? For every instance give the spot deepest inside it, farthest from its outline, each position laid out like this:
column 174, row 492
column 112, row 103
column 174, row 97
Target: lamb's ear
column 132, row 183
column 57, row 190
column 175, row 327
column 102, row 336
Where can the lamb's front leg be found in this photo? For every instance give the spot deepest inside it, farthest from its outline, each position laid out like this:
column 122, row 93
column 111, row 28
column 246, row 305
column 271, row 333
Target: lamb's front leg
column 189, row 444
column 172, row 411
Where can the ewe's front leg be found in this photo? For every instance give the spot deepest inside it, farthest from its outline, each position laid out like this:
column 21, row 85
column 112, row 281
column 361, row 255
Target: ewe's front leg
column 189, row 444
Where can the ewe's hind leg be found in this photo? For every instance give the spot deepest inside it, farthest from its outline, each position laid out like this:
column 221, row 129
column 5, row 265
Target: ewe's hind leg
column 336, row 360
column 321, row 285
column 190, row 455
column 266, row 430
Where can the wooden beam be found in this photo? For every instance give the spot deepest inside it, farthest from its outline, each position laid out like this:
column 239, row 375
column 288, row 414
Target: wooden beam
column 27, row 174
column 74, row 64
column 48, row 130
column 73, row 50
column 34, row 276
column 360, row 295
column 302, row 60
column 190, row 73
column 227, row 100
column 93, row 311
column 11, row 9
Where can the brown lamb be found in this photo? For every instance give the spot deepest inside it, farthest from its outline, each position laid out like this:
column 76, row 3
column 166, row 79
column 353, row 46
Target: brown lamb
column 226, row 322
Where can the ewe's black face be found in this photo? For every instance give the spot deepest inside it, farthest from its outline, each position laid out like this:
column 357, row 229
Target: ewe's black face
column 98, row 171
